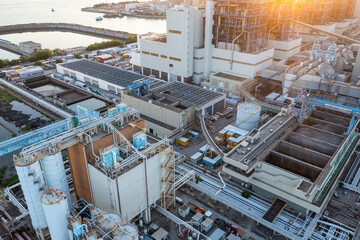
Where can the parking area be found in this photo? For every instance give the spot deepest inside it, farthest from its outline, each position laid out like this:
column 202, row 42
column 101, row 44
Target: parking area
column 195, row 144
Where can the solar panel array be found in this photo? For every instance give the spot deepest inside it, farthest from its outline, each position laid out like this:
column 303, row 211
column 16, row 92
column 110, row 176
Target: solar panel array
column 104, row 72
column 189, row 93
column 182, row 91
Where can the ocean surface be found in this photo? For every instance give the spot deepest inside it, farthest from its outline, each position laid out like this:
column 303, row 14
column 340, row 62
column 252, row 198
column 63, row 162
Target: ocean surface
column 66, row 11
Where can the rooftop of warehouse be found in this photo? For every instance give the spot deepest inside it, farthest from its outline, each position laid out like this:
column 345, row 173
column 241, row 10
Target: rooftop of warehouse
column 107, row 73
column 188, row 93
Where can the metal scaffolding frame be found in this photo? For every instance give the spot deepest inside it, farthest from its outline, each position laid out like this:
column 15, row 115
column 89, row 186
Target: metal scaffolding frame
column 241, row 22
column 316, row 12
column 281, row 13
column 342, row 9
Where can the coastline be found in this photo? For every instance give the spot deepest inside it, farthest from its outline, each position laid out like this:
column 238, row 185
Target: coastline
column 101, row 10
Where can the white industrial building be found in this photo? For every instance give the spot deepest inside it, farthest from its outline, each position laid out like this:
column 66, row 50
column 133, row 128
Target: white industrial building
column 30, row 47
column 167, row 107
column 74, row 50
column 186, row 52
column 100, row 75
column 171, row 56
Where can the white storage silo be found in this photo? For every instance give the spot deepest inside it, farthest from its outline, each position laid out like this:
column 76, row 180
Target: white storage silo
column 248, row 115
column 54, row 173
column 126, row 231
column 56, row 211
column 32, row 185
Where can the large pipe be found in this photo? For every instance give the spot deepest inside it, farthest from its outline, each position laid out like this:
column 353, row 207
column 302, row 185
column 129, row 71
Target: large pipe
column 26, row 236
column 18, row 236
column 346, row 39
column 233, row 41
column 6, row 214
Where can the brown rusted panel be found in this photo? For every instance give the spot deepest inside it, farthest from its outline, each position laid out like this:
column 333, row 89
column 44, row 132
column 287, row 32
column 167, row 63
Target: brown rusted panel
column 79, row 172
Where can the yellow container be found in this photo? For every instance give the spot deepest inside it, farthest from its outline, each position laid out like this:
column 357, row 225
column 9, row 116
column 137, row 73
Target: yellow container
column 182, row 141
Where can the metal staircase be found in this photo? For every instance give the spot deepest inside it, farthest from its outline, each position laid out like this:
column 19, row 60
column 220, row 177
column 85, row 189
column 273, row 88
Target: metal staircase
column 168, row 178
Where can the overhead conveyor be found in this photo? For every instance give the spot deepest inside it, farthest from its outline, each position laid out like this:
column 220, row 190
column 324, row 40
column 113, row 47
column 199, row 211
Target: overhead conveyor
column 332, row 34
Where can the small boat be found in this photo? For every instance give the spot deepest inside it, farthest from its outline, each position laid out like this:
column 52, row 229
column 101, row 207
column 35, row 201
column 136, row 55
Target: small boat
column 99, row 18
column 53, row 10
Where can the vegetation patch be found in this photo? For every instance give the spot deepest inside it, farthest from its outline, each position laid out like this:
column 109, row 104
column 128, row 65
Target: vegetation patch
column 104, row 44
column 5, row 96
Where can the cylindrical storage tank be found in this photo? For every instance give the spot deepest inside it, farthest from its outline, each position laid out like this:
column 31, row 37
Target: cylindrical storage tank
column 108, row 220
column 56, row 210
column 32, row 185
column 55, row 176
column 126, row 231
column 248, row 115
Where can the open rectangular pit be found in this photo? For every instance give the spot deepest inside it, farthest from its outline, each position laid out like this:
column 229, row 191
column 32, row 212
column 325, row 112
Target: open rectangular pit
column 306, row 155
column 311, row 143
column 318, row 134
column 325, row 125
column 293, row 165
column 329, row 117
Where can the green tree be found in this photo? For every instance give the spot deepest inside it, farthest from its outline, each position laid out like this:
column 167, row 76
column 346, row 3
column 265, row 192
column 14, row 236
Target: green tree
column 246, row 194
column 23, row 59
column 38, row 63
column 58, row 61
column 102, row 45
column 131, row 39
column 41, row 55
column 77, row 56
column 57, row 50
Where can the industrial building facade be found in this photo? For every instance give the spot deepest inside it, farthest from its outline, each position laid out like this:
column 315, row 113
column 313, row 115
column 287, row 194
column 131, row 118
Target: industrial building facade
column 234, row 37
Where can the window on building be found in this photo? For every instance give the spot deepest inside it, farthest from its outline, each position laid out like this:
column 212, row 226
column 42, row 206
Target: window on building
column 111, row 89
column 221, row 84
column 95, row 83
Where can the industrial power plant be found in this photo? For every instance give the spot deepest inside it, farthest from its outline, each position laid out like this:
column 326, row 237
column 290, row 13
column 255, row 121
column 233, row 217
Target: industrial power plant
column 241, row 122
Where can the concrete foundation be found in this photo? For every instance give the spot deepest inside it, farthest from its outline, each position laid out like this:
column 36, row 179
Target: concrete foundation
column 285, row 49
column 342, row 26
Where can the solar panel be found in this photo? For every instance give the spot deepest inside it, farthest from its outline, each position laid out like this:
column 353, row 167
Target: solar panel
column 189, row 93
column 104, row 72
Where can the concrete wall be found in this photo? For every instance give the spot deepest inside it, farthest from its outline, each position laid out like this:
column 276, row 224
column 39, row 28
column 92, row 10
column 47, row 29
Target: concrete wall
column 127, row 192
column 227, row 86
column 245, row 64
column 277, row 182
column 80, row 155
column 158, row 131
column 285, row 49
column 159, row 113
column 342, row 26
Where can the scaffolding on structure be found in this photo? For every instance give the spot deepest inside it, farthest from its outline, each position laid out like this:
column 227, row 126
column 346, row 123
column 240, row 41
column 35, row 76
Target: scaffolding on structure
column 242, row 23
column 316, row 12
column 281, row 13
column 340, row 10
column 168, row 178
